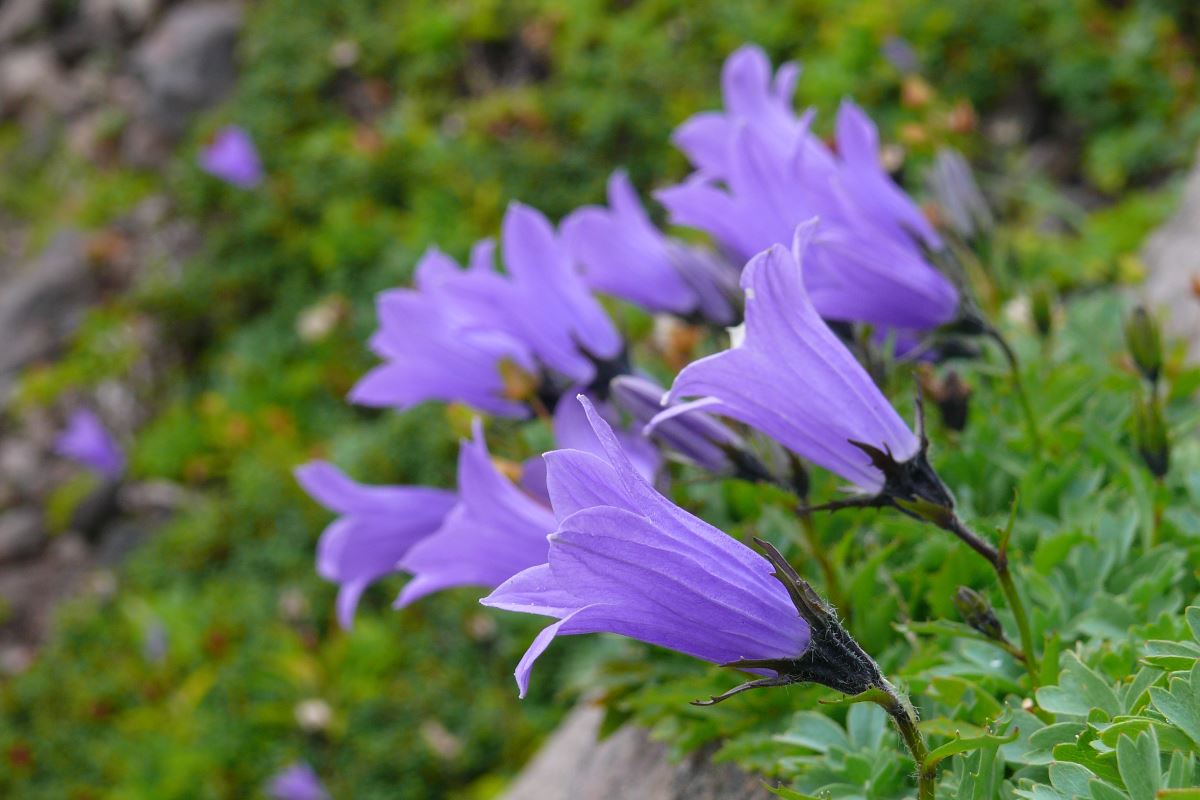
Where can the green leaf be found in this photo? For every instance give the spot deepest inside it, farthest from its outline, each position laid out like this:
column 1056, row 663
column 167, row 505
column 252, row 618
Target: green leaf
column 1103, row 764
column 1181, row 704
column 1103, row 791
column 967, row 744
column 866, row 725
column 815, row 732
column 1071, row 779
column 1139, row 764
column 789, row 794
column 1193, row 620
column 1079, row 690
column 1179, row 794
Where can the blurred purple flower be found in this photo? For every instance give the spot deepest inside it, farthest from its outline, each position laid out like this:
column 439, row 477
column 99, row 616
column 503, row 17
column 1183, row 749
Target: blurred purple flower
column 761, row 172
column 694, row 436
column 752, row 98
column 447, row 339
column 794, row 380
column 297, row 782
column 624, row 255
column 573, row 431
column 626, row 560
column 492, row 533
column 377, row 527
column 463, row 336
column 86, row 441
column 232, row 157
column 900, row 54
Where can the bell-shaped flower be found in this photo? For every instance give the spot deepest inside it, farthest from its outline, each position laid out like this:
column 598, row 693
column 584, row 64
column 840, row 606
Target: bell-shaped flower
column 573, row 431
column 484, row 338
column 696, row 437
column 86, row 441
column 794, row 380
column 859, row 271
column 752, row 97
column 232, row 157
column 297, row 782
column 626, row 560
column 624, row 255
column 494, row 531
column 376, row 527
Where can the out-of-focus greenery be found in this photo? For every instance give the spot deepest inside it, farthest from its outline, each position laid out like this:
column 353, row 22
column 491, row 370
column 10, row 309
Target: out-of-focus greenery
column 184, row 680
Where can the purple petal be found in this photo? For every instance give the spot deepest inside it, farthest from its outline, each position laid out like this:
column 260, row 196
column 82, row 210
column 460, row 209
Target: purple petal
column 377, row 526
column 494, row 532
column 232, row 157
column 87, row 442
column 297, row 782
column 573, row 431
column 794, row 380
column 696, row 437
column 624, row 255
column 558, row 316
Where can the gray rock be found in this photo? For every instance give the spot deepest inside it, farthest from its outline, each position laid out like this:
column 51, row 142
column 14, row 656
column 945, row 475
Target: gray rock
column 187, row 62
column 22, row 534
column 1172, row 258
column 572, row 765
column 41, row 304
column 31, row 75
column 19, row 17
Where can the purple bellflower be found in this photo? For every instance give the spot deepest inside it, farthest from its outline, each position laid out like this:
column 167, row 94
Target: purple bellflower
column 624, row 559
column 624, row 255
column 377, row 526
column 868, row 263
column 86, row 441
column 297, row 782
column 696, row 437
column 463, row 335
column 792, row 379
column 752, row 97
column 573, row 431
column 232, row 157
column 494, row 531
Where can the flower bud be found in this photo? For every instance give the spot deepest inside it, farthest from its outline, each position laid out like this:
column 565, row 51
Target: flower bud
column 1144, row 343
column 977, row 612
column 1150, row 434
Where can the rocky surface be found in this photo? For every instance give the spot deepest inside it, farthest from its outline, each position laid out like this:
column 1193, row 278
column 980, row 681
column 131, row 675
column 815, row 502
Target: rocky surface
column 1172, row 258
column 572, row 765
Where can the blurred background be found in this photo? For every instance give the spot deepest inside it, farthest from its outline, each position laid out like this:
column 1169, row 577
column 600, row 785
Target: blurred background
column 162, row 631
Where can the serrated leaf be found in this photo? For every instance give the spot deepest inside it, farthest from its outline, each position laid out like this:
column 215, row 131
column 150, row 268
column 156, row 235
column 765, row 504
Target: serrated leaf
column 1180, row 704
column 789, row 794
column 967, row 744
column 1139, row 765
column 1103, row 764
column 1180, row 771
column 1169, row 737
column 1079, row 690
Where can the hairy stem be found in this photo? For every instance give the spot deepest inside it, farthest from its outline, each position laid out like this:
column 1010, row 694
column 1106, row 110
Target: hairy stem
column 905, row 718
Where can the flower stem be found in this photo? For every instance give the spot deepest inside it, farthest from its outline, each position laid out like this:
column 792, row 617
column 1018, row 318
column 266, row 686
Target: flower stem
column 905, row 717
column 998, row 558
column 1014, row 366
column 1009, row 587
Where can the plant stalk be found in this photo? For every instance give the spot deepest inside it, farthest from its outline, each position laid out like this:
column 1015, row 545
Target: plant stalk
column 817, row 549
column 1014, row 366
column 904, row 716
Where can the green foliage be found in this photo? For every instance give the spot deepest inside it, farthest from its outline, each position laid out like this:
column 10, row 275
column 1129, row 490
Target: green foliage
column 450, row 111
